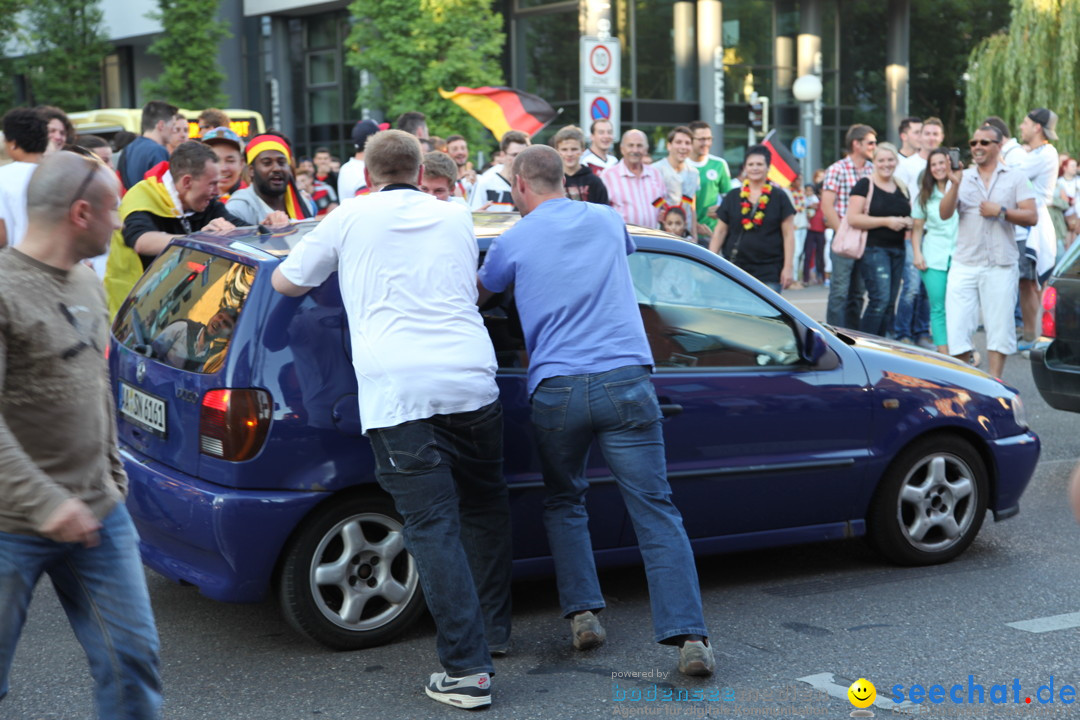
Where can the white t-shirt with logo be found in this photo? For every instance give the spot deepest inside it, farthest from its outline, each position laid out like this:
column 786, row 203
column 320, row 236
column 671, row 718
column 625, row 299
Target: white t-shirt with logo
column 350, row 179
column 406, row 265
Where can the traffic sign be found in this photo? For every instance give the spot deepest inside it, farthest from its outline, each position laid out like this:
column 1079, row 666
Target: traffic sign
column 600, row 105
column 600, row 66
column 798, row 147
column 600, row 109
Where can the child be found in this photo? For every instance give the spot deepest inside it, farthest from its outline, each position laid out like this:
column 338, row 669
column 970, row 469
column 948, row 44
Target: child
column 674, row 222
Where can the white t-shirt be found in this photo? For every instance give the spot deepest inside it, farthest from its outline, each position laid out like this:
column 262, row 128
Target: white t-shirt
column 407, row 269
column 908, row 170
column 14, row 177
column 591, row 160
column 1041, row 167
column 492, row 187
column 350, row 179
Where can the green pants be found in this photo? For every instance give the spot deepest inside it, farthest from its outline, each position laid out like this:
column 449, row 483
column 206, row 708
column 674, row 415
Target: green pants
column 935, row 280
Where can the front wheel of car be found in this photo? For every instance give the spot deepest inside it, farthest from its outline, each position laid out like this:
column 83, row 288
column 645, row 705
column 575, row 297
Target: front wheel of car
column 346, row 580
column 930, row 503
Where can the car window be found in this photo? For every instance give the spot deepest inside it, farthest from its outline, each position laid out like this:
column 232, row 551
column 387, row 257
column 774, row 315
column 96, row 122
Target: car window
column 695, row 316
column 184, row 308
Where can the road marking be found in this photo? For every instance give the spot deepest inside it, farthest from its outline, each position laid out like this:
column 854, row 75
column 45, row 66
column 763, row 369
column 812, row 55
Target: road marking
column 826, row 684
column 1048, row 624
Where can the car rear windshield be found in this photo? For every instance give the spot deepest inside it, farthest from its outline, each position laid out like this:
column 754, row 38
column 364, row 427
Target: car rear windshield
column 183, row 310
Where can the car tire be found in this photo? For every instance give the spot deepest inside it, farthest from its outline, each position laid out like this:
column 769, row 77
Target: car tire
column 931, row 502
column 346, row 580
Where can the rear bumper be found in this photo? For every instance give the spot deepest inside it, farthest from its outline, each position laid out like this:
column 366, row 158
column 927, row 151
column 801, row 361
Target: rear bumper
column 225, row 542
column 1016, row 458
column 1058, row 383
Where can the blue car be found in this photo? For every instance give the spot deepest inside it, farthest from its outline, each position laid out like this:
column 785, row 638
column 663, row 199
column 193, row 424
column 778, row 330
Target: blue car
column 239, row 428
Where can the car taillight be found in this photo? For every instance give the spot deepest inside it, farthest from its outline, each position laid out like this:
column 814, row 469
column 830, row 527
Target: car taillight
column 233, row 423
column 1049, row 321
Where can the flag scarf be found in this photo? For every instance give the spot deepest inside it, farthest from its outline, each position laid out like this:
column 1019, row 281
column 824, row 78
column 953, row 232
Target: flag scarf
column 294, row 206
column 784, row 166
column 502, row 109
column 124, row 267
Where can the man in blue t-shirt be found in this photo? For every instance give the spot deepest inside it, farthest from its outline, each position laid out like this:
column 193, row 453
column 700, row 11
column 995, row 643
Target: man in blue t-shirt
column 147, row 150
column 589, row 366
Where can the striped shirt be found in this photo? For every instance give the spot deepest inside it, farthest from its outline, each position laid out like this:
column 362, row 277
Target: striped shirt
column 841, row 177
column 636, row 197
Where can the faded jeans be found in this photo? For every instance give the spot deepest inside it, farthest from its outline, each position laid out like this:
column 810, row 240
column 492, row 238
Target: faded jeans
column 846, row 291
column 619, row 409
column 103, row 591
column 882, row 269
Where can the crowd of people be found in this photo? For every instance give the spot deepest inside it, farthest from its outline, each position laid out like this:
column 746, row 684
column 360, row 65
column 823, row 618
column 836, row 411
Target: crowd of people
column 941, row 249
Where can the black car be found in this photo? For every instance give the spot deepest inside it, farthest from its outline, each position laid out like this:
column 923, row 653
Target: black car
column 1056, row 363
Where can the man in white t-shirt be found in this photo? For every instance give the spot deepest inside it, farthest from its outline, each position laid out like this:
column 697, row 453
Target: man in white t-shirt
column 681, row 180
column 492, row 190
column 26, row 136
column 598, row 156
column 350, row 181
column 425, row 371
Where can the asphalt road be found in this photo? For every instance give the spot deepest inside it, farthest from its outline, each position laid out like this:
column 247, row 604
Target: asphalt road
column 790, row 626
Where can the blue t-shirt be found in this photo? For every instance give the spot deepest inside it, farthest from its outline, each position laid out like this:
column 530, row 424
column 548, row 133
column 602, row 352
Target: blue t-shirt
column 567, row 262
column 140, row 155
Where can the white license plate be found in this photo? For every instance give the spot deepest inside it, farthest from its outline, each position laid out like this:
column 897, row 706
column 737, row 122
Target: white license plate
column 143, row 409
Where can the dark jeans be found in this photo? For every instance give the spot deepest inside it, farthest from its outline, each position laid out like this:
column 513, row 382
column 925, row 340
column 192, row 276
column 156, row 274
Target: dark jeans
column 913, row 307
column 846, row 291
column 445, row 475
column 814, row 255
column 882, row 269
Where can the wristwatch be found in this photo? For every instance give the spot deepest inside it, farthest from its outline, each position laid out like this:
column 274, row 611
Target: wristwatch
column 1001, row 213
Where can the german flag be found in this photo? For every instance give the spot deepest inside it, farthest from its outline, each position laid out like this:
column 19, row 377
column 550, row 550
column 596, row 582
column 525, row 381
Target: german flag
column 502, row 109
column 784, row 166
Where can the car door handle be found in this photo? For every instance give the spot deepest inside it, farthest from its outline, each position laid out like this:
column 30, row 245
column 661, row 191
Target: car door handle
column 671, row 409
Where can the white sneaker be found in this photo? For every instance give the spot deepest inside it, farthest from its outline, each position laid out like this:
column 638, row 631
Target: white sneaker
column 471, row 691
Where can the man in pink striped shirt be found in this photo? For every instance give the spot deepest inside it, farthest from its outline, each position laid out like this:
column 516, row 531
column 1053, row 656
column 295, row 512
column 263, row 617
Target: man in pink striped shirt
column 636, row 190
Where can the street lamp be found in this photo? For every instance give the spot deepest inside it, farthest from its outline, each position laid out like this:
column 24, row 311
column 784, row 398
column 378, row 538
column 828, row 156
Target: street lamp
column 807, row 90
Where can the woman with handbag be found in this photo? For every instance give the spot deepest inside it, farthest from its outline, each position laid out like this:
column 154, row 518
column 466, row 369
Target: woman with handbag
column 756, row 228
column 933, row 240
column 886, row 217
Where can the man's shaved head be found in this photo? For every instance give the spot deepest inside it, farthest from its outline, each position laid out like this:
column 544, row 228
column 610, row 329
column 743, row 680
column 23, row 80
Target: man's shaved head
column 541, row 167
column 61, row 179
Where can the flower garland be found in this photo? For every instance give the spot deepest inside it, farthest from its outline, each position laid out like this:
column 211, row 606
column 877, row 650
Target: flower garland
column 749, row 222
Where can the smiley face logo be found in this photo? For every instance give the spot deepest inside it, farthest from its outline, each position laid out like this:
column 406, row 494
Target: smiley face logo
column 862, row 693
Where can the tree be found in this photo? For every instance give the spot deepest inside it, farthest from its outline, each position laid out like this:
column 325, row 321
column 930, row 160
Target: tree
column 411, row 48
column 70, row 43
column 8, row 25
column 188, row 48
column 1033, row 64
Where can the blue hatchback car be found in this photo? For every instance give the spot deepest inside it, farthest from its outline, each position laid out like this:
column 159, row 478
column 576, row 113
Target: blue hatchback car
column 239, row 429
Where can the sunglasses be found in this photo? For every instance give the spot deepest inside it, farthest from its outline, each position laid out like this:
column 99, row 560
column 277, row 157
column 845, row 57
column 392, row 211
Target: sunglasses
column 94, row 166
column 984, row 143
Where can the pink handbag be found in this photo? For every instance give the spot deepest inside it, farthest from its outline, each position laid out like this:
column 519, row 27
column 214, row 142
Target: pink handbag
column 850, row 242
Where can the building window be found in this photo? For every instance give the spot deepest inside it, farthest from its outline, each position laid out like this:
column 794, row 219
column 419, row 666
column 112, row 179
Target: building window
column 666, row 50
column 548, row 50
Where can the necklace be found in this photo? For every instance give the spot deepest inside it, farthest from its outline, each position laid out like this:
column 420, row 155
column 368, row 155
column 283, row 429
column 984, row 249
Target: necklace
column 749, row 222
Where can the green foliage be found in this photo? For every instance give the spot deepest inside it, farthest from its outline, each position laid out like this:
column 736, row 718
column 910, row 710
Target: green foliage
column 1033, row 64
column 70, row 44
column 188, row 48
column 411, row 48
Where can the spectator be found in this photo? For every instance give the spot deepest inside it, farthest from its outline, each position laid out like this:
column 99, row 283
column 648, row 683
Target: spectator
column 439, row 176
column 414, row 123
column 181, row 133
column 715, row 180
column 798, row 201
column 63, row 484
column 176, row 198
column 26, row 138
column 581, row 183
column 335, row 165
column 61, row 131
column 598, row 156
column 884, row 211
column 351, row 178
column 230, row 152
column 814, row 248
column 492, row 191
column 149, row 149
column 212, row 118
column 760, row 220
column 681, row 181
column 122, row 139
column 428, row 399
column 910, row 138
column 846, row 287
column 1067, row 189
column 324, row 170
column 589, row 380
column 933, row 241
column 98, row 146
column 272, row 198
column 984, row 272
column 636, row 190
column 458, row 149
column 437, row 144
column 305, row 184
column 1039, row 250
column 674, row 222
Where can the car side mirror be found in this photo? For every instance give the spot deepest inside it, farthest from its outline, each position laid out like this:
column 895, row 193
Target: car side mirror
column 815, row 346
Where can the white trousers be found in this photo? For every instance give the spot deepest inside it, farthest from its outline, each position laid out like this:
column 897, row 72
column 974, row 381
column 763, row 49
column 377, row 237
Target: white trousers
column 991, row 289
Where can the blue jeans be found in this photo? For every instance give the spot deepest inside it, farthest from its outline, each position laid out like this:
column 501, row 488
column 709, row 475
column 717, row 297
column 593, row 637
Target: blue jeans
column 882, row 269
column 103, row 591
column 845, row 292
column 619, row 409
column 445, row 475
column 913, row 306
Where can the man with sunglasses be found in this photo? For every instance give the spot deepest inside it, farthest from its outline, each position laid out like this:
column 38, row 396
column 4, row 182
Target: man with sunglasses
column 992, row 200
column 62, row 487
